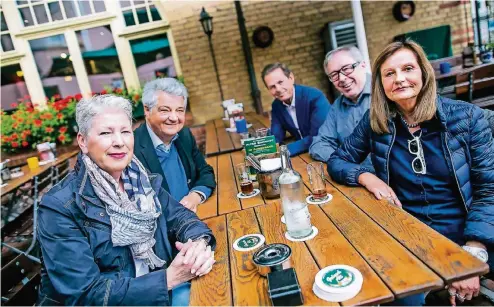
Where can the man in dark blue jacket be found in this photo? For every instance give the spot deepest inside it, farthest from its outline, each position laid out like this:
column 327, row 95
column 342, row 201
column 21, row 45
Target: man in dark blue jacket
column 166, row 147
column 298, row 109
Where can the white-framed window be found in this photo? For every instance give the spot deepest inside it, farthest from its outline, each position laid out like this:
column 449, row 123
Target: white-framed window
column 6, row 39
column 60, row 48
column 36, row 12
column 138, row 12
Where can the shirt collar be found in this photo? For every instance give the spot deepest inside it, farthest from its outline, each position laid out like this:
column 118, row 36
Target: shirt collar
column 366, row 91
column 292, row 105
column 157, row 141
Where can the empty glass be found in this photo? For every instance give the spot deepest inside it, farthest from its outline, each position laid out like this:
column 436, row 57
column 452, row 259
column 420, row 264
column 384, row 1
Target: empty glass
column 262, row 132
column 316, row 178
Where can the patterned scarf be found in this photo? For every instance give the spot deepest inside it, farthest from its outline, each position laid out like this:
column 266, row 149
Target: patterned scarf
column 133, row 213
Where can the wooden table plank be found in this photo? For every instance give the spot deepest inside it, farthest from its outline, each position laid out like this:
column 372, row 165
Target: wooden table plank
column 214, row 288
column 210, row 207
column 305, row 266
column 30, row 174
column 249, row 288
column 227, row 187
column 211, row 139
column 402, row 272
column 440, row 254
column 224, row 141
column 239, row 157
column 330, row 247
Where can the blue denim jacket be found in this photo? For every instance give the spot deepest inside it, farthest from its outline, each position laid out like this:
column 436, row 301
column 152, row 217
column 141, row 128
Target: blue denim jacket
column 80, row 264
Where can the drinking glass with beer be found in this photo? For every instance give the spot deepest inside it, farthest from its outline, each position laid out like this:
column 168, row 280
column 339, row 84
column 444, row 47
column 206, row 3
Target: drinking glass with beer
column 316, row 178
column 246, row 185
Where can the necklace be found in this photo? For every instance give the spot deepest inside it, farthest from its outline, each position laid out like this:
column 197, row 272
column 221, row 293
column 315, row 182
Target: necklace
column 407, row 124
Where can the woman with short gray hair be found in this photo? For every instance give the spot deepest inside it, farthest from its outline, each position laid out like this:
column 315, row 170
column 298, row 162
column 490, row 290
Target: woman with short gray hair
column 104, row 229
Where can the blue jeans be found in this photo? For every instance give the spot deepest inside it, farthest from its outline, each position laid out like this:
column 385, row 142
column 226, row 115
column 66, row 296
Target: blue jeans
column 181, row 295
column 412, row 300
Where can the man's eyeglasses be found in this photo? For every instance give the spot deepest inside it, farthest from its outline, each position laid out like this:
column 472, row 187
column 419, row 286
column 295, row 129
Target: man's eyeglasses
column 345, row 70
column 415, row 148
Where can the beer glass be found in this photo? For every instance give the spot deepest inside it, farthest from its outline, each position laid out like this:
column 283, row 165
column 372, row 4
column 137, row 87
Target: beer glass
column 316, row 178
column 246, row 185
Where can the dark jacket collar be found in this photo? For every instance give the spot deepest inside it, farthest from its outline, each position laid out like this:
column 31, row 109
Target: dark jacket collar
column 85, row 188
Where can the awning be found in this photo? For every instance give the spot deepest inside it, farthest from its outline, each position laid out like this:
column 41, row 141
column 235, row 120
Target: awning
column 139, row 48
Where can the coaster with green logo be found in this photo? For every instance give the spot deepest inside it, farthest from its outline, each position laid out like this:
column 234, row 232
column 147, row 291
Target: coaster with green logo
column 337, row 283
column 249, row 242
column 338, row 278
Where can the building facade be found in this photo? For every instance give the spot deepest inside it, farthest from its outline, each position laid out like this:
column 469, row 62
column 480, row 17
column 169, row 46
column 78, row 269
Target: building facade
column 92, row 44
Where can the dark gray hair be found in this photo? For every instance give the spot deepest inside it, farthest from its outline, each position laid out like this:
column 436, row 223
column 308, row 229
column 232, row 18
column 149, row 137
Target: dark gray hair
column 274, row 66
column 354, row 52
column 168, row 85
column 87, row 109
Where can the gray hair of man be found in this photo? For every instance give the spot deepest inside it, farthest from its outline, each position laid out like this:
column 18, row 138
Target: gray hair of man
column 354, row 53
column 87, row 109
column 170, row 86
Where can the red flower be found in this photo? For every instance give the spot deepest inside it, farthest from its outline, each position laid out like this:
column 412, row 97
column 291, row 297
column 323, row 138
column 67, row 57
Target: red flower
column 49, row 129
column 14, row 136
column 118, row 91
column 136, row 97
column 63, row 129
column 47, row 116
column 37, row 122
column 61, row 138
column 24, row 144
column 13, row 105
column 14, row 125
column 56, row 96
column 27, row 132
column 15, row 144
column 103, row 92
column 78, row 97
column 68, row 98
column 59, row 115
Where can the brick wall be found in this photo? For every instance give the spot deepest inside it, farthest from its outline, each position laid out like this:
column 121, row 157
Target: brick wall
column 381, row 27
column 296, row 26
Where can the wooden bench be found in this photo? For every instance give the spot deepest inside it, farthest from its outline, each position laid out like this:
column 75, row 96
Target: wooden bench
column 477, row 86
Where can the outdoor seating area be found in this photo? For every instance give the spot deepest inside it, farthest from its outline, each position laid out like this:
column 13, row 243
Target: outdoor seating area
column 247, row 153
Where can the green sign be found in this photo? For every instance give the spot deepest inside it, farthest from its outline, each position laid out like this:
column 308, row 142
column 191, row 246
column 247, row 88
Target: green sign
column 260, row 146
column 339, row 278
column 248, row 242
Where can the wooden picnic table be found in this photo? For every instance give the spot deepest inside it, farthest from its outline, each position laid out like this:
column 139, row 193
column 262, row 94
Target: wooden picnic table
column 220, row 141
column 397, row 254
column 29, row 174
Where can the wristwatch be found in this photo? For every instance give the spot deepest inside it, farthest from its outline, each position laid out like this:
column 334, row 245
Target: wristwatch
column 477, row 252
column 201, row 195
